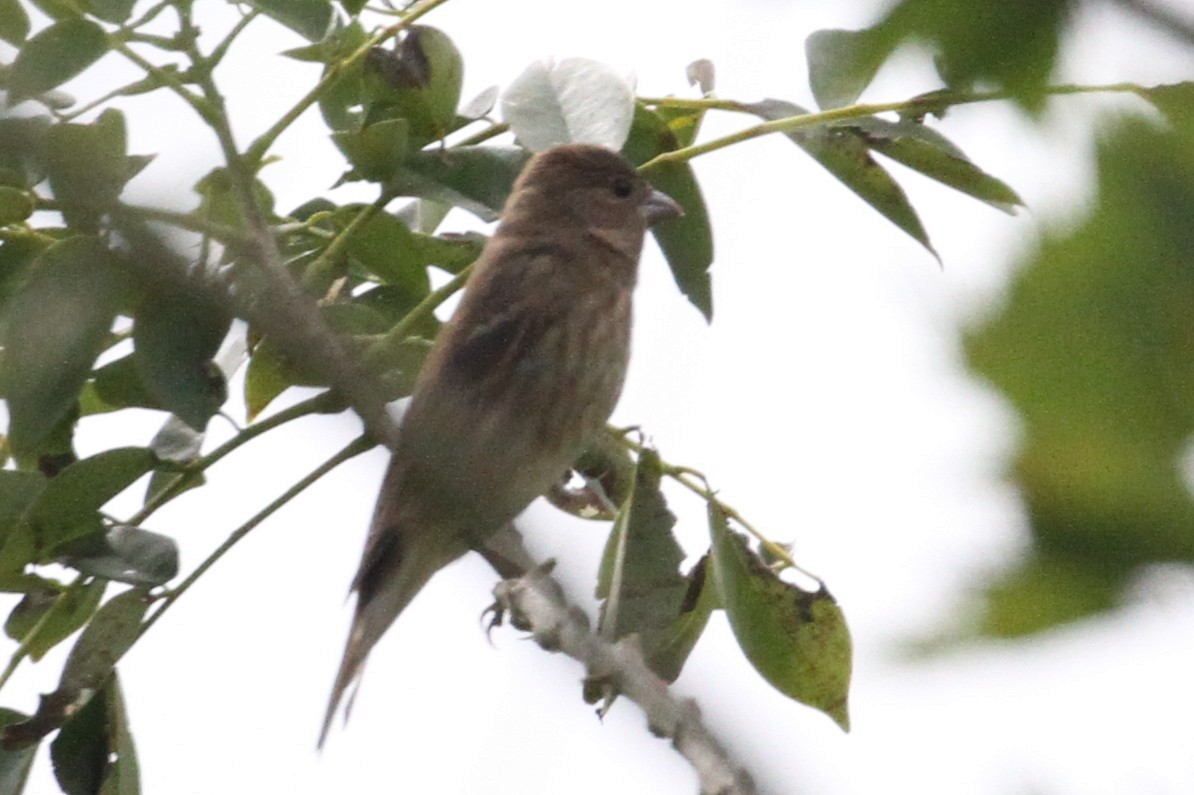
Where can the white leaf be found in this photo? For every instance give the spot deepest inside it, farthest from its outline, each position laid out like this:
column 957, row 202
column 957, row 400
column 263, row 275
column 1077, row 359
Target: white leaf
column 573, row 100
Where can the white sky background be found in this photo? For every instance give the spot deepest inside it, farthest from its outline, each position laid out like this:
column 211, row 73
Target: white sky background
column 826, row 402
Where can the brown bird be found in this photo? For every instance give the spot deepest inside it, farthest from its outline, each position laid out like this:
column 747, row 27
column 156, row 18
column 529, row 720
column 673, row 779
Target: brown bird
column 526, row 370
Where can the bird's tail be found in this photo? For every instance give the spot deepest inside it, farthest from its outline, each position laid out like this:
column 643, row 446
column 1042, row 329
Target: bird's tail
column 396, row 566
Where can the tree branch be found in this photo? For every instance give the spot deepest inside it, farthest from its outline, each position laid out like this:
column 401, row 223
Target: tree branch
column 538, row 604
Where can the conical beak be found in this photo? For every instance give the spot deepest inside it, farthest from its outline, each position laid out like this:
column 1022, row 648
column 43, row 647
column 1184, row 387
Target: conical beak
column 658, row 206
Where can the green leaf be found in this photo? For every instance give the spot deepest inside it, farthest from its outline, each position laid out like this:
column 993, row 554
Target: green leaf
column 956, row 172
column 1091, row 346
column 175, row 335
column 1012, row 45
column 62, row 9
column 845, row 155
column 14, row 27
column 572, row 100
column 117, row 385
column 383, row 246
column 679, row 638
column 22, row 151
column 797, row 640
column 114, row 11
column 180, row 444
column 88, row 167
column 68, row 508
column 57, row 325
column 311, row 19
column 15, row 205
column 687, row 242
column 418, row 82
column 94, row 752
column 639, row 579
column 1176, row 101
column 15, row 763
column 475, row 178
column 34, row 604
column 18, row 490
column 267, row 376
column 63, row 617
column 352, row 7
column 111, row 633
column 125, row 554
column 842, row 63
column 376, row 151
column 54, row 56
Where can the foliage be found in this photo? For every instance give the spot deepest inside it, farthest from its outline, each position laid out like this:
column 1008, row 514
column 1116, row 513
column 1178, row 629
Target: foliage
column 100, row 315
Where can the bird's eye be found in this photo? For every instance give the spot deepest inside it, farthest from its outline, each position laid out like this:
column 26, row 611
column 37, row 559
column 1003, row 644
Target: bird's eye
column 622, row 187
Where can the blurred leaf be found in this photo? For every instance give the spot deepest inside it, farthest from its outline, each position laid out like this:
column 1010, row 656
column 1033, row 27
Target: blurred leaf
column 352, row 7
column 114, row 11
column 176, row 334
column 1092, row 346
column 418, row 82
column 110, row 634
column 687, row 242
column 474, row 178
column 62, row 617
column 22, row 151
column 15, row 205
column 14, row 27
column 94, row 753
column 845, row 155
column 18, row 490
column 948, row 169
column 481, row 105
column 309, row 18
column 574, row 100
column 376, row 152
column 68, row 507
column 221, row 204
column 34, row 604
column 1176, row 101
column 126, row 554
column 53, row 56
column 177, row 443
column 117, row 385
column 1011, row 45
column 702, row 73
column 14, row 764
column 384, row 247
column 265, row 379
column 842, row 63
column 796, row 639
column 60, row 9
column 88, row 167
column 57, row 325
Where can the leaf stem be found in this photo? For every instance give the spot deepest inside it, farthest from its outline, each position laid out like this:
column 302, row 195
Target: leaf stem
column 380, row 351
column 695, row 481
column 934, row 102
column 316, row 272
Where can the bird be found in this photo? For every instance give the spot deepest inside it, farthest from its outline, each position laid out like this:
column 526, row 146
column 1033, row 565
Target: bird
column 528, row 367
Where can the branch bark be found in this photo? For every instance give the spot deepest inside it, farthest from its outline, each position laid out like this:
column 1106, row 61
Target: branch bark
column 537, row 603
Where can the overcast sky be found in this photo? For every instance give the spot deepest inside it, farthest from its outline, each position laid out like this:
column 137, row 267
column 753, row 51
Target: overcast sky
column 827, row 402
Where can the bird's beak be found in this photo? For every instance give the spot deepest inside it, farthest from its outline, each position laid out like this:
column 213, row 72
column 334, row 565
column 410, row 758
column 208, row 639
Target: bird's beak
column 658, row 206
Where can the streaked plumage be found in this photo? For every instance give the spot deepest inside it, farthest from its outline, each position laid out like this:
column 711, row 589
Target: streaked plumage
column 528, row 367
